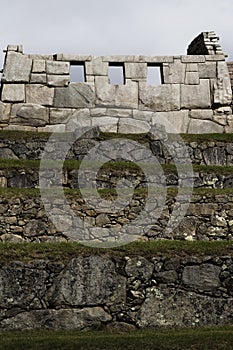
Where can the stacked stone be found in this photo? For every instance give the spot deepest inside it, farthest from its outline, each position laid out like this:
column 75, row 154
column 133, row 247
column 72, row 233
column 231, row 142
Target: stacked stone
column 195, row 95
column 207, row 43
column 230, row 68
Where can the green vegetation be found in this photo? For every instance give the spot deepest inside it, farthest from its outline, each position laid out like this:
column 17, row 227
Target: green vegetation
column 65, row 251
column 208, row 338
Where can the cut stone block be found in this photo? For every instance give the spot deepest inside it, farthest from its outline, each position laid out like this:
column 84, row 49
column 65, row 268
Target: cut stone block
column 192, row 78
column 204, row 127
column 106, row 124
column 135, row 70
column 57, row 67
column 39, row 94
column 38, row 78
column 79, row 119
column 29, row 114
column 159, row 98
column 17, row 68
column 76, row 95
column 222, row 86
column 58, row 80
column 191, row 67
column 5, row 110
column 174, row 122
column 38, row 66
column 60, row 115
column 196, row 96
column 96, row 67
column 174, row 73
column 193, row 59
column 206, row 114
column 13, row 93
column 127, row 125
column 73, row 57
column 207, row 70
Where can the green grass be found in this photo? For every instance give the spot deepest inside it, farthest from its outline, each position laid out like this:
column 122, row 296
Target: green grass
column 208, row 338
column 65, row 251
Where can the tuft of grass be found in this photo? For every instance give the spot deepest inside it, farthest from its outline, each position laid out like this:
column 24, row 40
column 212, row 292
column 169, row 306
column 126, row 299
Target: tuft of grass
column 203, row 338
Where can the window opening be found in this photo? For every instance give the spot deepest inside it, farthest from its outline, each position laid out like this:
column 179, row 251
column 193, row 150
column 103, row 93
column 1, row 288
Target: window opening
column 154, row 75
column 77, row 72
column 116, row 74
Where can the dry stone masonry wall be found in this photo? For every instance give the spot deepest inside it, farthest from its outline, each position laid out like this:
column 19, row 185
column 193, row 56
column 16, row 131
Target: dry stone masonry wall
column 194, row 96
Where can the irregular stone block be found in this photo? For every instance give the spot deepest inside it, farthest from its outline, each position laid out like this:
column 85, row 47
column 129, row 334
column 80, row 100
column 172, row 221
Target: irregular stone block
column 60, row 115
column 119, row 112
column 139, row 268
column 159, row 98
column 203, row 277
column 38, row 66
column 222, row 86
column 174, row 122
column 142, row 115
column 127, row 125
column 196, row 96
column 73, row 57
column 193, row 59
column 207, row 70
column 7, row 153
column 154, row 59
column 39, row 94
column 29, row 114
column 76, row 95
column 106, row 124
column 96, row 67
column 192, row 78
column 52, row 128
column 204, row 127
column 57, row 67
column 58, row 80
column 90, row 280
column 80, row 118
column 135, row 70
column 174, row 73
column 201, row 114
column 13, row 93
column 214, row 156
column 17, row 68
column 38, row 78
column 215, row 58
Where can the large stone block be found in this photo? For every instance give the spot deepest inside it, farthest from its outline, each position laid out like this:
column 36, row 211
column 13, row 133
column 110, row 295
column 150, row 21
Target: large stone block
column 159, row 98
column 204, row 127
column 58, row 80
column 207, row 70
column 60, row 115
column 196, row 96
column 203, row 277
column 13, row 93
column 175, row 122
column 135, row 70
column 90, row 280
column 39, row 78
column 17, row 68
column 206, row 114
column 79, row 119
column 57, row 67
column 106, row 124
column 131, row 126
column 96, row 67
column 29, row 114
column 222, row 86
column 76, row 95
column 192, row 78
column 39, row 94
column 174, row 73
column 38, row 66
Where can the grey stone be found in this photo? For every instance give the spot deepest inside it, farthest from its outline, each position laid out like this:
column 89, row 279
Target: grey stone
column 222, row 86
column 64, row 319
column 76, row 95
column 38, row 66
column 174, row 73
column 60, row 115
column 11, row 238
column 96, row 67
column 17, row 68
column 127, row 125
column 58, row 80
column 193, row 59
column 29, row 114
column 174, row 122
column 196, row 96
column 135, row 70
column 7, row 153
column 192, row 78
column 73, row 57
column 13, row 93
column 207, row 70
column 139, row 268
column 86, row 281
column 39, row 78
column 206, row 114
column 159, row 98
column 203, row 127
column 203, row 277
column 191, row 67
column 39, row 94
column 57, row 67
column 214, row 156
column 106, row 124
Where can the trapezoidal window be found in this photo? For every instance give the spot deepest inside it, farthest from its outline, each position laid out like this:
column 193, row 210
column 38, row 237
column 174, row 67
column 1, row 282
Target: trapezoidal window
column 154, row 74
column 77, row 72
column 116, row 73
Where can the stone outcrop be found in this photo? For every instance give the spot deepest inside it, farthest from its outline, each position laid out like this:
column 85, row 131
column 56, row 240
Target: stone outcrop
column 194, row 96
column 102, row 292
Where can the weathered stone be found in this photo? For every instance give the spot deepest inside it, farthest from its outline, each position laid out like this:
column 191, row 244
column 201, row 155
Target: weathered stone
column 174, row 122
column 203, row 277
column 139, row 268
column 29, row 114
column 86, row 281
column 76, row 95
column 191, row 67
column 17, row 68
column 60, row 115
column 38, row 66
column 135, row 70
column 196, row 209
column 3, row 180
column 80, row 118
column 193, row 59
column 73, row 57
column 57, row 67
column 64, row 319
column 13, row 93
column 174, row 73
column 222, row 86
column 38, row 78
column 215, row 156
column 52, row 128
column 96, row 67
column 106, row 124
column 5, row 110
column 196, row 96
column 7, row 153
column 192, row 78
column 207, row 70
column 58, row 80
column 206, row 114
column 127, row 125
column 159, row 98
column 204, row 127
column 39, row 94
column 11, row 238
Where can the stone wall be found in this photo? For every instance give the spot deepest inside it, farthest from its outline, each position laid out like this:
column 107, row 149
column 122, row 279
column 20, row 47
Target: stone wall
column 100, row 292
column 23, row 217
column 194, row 96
